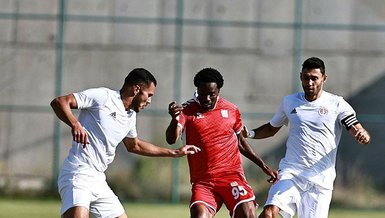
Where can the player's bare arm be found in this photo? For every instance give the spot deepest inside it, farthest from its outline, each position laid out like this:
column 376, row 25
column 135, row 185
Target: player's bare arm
column 360, row 134
column 264, row 131
column 62, row 107
column 173, row 130
column 141, row 147
column 247, row 151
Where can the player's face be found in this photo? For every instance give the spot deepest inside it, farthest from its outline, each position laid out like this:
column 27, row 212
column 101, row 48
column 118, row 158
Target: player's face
column 207, row 95
column 143, row 98
column 312, row 83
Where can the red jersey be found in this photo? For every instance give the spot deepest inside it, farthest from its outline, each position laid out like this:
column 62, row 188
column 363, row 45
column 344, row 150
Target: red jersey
column 214, row 132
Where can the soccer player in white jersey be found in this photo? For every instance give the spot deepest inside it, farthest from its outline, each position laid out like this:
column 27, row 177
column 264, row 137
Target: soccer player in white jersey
column 316, row 119
column 107, row 117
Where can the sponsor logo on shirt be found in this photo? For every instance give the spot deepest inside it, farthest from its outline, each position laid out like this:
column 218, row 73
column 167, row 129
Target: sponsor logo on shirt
column 113, row 115
column 294, row 111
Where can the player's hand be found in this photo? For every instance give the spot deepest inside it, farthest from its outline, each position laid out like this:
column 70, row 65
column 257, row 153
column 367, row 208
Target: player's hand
column 174, row 109
column 79, row 134
column 245, row 132
column 273, row 179
column 187, row 149
column 272, row 173
column 361, row 135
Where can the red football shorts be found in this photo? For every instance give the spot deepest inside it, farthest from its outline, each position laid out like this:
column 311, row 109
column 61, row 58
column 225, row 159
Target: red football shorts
column 232, row 190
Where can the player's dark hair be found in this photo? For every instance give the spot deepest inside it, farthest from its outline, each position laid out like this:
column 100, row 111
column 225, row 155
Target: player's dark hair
column 314, row 63
column 208, row 75
column 141, row 77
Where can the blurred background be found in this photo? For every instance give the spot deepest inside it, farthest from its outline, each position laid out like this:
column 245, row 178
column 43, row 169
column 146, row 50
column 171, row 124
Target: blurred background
column 55, row 47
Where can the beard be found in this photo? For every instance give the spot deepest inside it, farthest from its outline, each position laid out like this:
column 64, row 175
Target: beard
column 135, row 105
column 310, row 93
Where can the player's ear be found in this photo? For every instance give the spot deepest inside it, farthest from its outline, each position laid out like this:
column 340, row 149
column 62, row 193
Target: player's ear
column 325, row 78
column 136, row 89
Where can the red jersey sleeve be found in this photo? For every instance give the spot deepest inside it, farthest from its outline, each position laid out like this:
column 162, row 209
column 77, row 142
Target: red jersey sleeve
column 238, row 121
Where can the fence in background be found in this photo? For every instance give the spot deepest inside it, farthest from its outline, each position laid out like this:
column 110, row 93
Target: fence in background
column 178, row 22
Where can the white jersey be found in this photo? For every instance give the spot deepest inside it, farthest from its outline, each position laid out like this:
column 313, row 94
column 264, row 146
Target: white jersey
column 314, row 133
column 107, row 122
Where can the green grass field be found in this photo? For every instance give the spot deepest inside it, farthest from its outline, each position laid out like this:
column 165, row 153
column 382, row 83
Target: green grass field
column 50, row 208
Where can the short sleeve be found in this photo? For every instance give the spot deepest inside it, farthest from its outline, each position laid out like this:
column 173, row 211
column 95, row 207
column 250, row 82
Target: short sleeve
column 91, row 97
column 279, row 119
column 345, row 110
column 238, row 121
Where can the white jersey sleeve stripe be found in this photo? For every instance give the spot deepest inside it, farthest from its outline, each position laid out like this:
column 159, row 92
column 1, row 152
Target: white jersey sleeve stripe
column 349, row 121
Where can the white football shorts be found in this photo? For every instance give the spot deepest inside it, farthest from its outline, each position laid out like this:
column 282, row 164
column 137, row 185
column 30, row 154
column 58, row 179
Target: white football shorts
column 313, row 202
column 88, row 188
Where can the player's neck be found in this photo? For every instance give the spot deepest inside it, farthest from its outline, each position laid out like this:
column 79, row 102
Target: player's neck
column 311, row 98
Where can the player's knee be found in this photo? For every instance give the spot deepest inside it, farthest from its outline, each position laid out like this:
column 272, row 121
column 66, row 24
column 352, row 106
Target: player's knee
column 270, row 211
column 250, row 213
column 76, row 212
column 246, row 210
column 200, row 211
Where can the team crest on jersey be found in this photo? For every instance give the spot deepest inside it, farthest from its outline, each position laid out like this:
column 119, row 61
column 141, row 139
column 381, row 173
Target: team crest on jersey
column 225, row 113
column 323, row 111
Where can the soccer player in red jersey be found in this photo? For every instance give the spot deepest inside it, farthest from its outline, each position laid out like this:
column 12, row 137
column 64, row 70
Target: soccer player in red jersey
column 214, row 124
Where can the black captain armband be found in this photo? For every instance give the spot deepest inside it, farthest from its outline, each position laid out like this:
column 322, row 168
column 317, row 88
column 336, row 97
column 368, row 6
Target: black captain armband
column 349, row 121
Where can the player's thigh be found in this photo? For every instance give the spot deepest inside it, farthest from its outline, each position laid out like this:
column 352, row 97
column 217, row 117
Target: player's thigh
column 77, row 211
column 245, row 210
column 200, row 210
column 269, row 211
